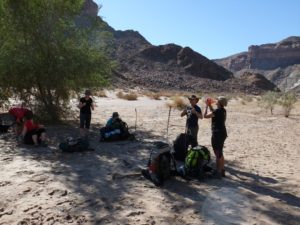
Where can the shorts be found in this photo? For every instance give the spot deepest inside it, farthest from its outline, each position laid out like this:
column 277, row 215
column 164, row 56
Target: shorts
column 28, row 136
column 217, row 142
column 85, row 120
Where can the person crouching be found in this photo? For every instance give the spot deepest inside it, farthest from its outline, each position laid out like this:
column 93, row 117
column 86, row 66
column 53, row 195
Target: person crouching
column 32, row 133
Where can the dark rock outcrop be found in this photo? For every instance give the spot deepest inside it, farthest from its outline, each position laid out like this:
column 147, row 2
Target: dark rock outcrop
column 162, row 67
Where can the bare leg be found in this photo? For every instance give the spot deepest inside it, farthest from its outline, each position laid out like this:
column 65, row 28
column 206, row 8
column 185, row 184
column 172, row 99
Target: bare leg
column 35, row 139
column 43, row 137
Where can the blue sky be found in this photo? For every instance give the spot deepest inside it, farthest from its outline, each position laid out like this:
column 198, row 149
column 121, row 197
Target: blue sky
column 214, row 28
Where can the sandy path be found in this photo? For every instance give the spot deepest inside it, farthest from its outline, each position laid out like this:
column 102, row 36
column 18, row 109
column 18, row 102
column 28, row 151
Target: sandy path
column 43, row 186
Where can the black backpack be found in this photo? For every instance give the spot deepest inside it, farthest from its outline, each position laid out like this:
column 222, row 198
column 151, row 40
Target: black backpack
column 75, row 145
column 181, row 144
column 161, row 164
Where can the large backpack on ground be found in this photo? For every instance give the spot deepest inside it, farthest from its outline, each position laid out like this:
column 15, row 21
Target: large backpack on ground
column 75, row 145
column 6, row 121
column 118, row 131
column 181, row 144
column 196, row 161
column 161, row 164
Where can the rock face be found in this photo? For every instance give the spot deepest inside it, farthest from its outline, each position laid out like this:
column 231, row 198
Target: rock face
column 166, row 66
column 279, row 62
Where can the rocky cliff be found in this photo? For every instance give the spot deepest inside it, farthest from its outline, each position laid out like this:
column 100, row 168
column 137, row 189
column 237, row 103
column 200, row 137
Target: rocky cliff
column 166, row 66
column 279, row 62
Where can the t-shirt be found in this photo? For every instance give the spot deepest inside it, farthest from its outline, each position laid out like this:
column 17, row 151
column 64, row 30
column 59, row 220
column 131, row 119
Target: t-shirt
column 192, row 119
column 87, row 108
column 30, row 125
column 218, row 121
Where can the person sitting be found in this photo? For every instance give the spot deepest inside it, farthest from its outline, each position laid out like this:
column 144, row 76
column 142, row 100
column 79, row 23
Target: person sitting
column 32, row 133
column 115, row 129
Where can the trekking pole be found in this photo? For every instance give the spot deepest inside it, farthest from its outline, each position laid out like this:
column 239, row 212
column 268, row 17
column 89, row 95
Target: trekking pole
column 135, row 120
column 168, row 122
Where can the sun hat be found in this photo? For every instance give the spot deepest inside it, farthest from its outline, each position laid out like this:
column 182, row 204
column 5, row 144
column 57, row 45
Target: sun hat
column 193, row 97
column 222, row 100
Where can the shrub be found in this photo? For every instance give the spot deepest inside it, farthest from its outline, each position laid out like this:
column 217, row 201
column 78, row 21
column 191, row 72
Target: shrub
column 101, row 94
column 130, row 96
column 287, row 101
column 178, row 103
column 269, row 100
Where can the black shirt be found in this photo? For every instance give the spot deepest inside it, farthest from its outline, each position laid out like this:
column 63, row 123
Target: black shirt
column 87, row 108
column 218, row 121
column 192, row 119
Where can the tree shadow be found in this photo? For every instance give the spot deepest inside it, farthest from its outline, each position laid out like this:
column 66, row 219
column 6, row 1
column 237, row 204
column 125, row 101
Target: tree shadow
column 104, row 186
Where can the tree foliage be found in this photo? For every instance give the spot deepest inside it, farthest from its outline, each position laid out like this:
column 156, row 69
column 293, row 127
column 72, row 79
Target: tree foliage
column 45, row 52
column 287, row 102
column 269, row 100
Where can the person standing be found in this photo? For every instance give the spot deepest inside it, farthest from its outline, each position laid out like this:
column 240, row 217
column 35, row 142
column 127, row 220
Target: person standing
column 219, row 132
column 86, row 106
column 193, row 113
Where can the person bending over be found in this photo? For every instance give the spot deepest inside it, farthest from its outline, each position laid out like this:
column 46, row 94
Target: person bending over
column 32, row 133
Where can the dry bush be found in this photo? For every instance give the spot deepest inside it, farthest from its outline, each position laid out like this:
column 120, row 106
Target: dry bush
column 178, row 103
column 101, row 94
column 247, row 98
column 131, row 96
column 287, row 101
column 152, row 95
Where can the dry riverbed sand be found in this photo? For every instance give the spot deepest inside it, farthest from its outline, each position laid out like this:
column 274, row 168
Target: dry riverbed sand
column 44, row 186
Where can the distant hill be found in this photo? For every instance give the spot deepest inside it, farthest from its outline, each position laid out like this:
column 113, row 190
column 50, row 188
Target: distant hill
column 278, row 62
column 167, row 66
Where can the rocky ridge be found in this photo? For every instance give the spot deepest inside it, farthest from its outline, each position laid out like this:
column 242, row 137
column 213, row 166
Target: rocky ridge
column 167, row 66
column 278, row 62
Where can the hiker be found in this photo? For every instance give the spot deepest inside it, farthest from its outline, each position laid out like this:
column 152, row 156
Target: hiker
column 18, row 112
column 32, row 133
column 115, row 129
column 193, row 113
column 86, row 106
column 219, row 133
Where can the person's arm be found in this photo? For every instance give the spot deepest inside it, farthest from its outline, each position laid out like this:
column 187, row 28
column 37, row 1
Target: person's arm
column 183, row 113
column 208, row 114
column 81, row 104
column 198, row 114
column 24, row 131
column 92, row 105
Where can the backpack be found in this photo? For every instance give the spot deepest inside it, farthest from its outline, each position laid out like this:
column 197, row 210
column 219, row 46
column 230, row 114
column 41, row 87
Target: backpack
column 75, row 145
column 160, row 164
column 181, row 144
column 196, row 161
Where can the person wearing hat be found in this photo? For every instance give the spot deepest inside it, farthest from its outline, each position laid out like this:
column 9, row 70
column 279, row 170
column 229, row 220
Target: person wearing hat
column 86, row 106
column 115, row 116
column 193, row 113
column 219, row 132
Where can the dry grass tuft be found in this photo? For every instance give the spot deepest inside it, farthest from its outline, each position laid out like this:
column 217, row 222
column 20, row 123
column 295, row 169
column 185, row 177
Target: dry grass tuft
column 131, row 96
column 101, row 94
column 178, row 102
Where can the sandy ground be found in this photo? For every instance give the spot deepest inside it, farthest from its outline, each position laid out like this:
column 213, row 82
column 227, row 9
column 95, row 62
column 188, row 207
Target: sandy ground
column 45, row 186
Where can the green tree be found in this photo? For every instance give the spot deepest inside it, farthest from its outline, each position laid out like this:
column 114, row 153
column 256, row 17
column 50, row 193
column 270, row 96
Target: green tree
column 287, row 101
column 269, row 100
column 45, row 52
